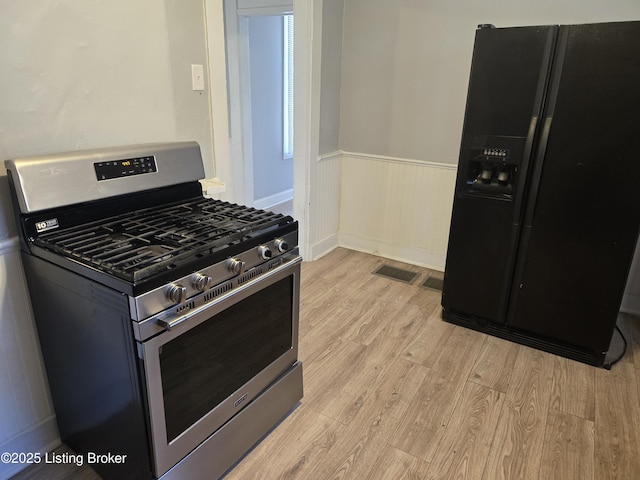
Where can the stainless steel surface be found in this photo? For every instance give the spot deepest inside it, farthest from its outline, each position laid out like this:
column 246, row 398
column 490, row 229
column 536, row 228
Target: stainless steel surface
column 265, row 252
column 198, row 307
column 235, row 266
column 176, row 293
column 52, row 181
column 168, row 453
column 156, row 301
column 225, row 447
column 281, row 244
column 201, row 282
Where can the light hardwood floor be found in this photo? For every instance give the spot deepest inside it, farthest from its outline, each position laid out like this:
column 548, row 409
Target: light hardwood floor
column 393, row 392
column 285, row 208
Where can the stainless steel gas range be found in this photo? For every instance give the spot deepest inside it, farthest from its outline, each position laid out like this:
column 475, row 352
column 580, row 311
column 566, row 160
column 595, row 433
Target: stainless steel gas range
column 168, row 321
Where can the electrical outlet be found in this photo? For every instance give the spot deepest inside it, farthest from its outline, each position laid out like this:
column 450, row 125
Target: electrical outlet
column 197, row 77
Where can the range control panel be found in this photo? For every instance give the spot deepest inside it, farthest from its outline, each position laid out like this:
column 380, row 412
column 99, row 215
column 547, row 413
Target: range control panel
column 125, row 168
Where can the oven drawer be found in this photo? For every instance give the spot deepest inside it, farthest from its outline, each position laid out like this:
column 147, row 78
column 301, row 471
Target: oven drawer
column 225, row 447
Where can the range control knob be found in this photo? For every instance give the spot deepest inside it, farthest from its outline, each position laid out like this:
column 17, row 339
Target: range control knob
column 265, row 252
column 176, row 293
column 281, row 244
column 201, row 282
column 235, row 266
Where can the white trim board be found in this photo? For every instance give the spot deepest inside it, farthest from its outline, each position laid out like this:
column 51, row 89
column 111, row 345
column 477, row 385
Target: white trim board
column 9, row 245
column 275, row 199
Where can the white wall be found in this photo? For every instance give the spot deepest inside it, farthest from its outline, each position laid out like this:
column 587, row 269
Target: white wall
column 331, row 75
column 186, row 46
column 78, row 74
column 81, row 74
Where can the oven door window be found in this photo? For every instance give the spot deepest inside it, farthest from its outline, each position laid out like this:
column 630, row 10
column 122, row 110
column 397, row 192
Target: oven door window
column 205, row 365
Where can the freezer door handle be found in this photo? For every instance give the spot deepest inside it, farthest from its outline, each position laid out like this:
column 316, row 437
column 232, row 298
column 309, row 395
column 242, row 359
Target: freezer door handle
column 537, row 172
column 550, row 106
column 524, row 168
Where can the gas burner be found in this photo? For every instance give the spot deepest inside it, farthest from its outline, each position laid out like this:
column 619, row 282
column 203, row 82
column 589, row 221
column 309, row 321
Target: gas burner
column 137, row 245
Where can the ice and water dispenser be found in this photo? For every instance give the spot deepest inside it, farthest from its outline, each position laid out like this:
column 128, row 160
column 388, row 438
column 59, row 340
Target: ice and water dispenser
column 492, row 165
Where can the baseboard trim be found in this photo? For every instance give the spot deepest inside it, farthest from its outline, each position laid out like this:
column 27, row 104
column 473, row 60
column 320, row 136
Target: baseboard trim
column 630, row 304
column 268, row 202
column 323, row 247
column 336, row 154
column 9, row 245
column 414, row 256
column 405, row 161
column 40, row 438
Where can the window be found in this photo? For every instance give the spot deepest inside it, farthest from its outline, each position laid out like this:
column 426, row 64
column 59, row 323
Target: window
column 287, row 110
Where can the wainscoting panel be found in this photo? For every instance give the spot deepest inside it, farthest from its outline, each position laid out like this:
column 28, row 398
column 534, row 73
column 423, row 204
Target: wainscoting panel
column 27, row 420
column 324, row 230
column 396, row 208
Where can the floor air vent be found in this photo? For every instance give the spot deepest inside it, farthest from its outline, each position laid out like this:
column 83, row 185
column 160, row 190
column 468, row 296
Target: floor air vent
column 396, row 274
column 433, row 283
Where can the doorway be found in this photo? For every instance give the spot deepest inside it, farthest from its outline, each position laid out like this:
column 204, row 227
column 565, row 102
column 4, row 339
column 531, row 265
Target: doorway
column 259, row 60
column 228, row 166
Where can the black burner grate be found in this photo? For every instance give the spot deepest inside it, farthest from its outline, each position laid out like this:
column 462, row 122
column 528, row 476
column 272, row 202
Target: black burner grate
column 138, row 244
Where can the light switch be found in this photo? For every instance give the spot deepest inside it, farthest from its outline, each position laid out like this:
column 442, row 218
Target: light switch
column 197, row 77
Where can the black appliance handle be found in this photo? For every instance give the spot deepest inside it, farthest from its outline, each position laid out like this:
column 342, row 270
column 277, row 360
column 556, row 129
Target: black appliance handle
column 537, row 172
column 532, row 133
column 536, row 177
column 528, row 221
column 552, row 96
column 524, row 167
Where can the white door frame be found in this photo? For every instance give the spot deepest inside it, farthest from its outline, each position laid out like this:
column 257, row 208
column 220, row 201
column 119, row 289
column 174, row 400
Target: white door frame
column 239, row 88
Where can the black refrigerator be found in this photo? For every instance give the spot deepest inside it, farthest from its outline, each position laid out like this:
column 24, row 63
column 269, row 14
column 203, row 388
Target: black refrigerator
column 546, row 209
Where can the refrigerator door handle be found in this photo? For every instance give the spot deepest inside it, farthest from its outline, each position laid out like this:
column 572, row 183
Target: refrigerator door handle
column 537, row 172
column 527, row 158
column 524, row 167
column 527, row 226
column 550, row 106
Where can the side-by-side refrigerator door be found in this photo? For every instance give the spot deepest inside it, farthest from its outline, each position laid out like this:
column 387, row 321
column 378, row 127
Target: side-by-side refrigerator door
column 583, row 214
column 506, row 91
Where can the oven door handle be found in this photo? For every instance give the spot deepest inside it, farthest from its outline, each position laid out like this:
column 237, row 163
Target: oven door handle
column 173, row 323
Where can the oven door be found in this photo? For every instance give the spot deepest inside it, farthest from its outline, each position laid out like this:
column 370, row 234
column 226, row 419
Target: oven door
column 217, row 359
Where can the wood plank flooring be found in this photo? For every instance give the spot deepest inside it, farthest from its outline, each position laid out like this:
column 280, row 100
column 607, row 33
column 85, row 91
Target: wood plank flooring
column 393, row 392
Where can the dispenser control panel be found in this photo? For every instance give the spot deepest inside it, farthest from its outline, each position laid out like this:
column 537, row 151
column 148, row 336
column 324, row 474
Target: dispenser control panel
column 495, row 152
column 492, row 165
